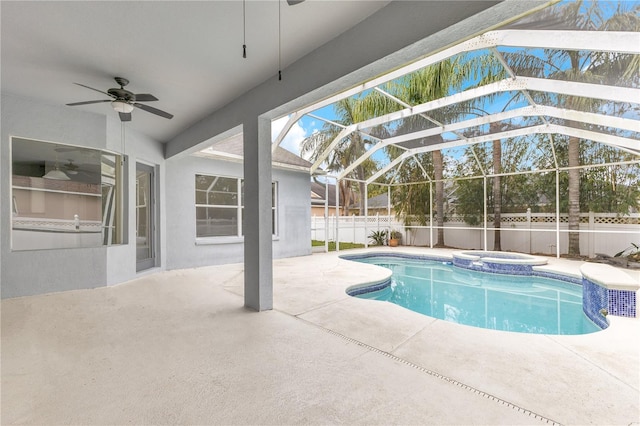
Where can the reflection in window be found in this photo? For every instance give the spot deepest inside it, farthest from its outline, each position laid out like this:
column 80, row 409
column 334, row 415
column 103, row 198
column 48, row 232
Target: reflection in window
column 64, row 196
column 219, row 206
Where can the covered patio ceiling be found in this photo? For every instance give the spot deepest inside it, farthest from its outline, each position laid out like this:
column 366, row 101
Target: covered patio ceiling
column 501, row 101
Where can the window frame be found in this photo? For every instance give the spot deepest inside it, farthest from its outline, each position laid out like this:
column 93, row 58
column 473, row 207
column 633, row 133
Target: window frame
column 47, row 219
column 239, row 206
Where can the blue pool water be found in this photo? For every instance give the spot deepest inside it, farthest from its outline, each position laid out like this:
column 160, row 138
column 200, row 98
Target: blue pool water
column 501, row 302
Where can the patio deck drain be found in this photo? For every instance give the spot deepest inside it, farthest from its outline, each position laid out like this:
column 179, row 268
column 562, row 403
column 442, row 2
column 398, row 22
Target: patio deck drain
column 437, row 375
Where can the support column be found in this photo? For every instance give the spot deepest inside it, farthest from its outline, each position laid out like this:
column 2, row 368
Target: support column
column 484, row 231
column 557, row 213
column 366, row 216
column 337, row 215
column 258, row 266
column 430, row 214
column 326, row 216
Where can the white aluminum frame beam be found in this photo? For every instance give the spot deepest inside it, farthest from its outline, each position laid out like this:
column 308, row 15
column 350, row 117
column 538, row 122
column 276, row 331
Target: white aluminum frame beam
column 588, row 90
column 292, row 120
column 457, row 142
column 604, row 41
column 607, row 139
column 342, row 126
column 529, row 111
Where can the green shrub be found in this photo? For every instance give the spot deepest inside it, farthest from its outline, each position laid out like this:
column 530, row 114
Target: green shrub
column 379, row 238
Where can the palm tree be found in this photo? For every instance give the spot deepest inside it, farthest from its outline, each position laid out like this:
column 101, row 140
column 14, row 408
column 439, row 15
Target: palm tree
column 591, row 67
column 348, row 111
column 433, row 82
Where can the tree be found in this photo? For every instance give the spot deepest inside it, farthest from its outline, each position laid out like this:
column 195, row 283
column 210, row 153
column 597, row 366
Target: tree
column 348, row 111
column 516, row 192
column 433, row 82
column 583, row 66
column 411, row 200
column 603, row 189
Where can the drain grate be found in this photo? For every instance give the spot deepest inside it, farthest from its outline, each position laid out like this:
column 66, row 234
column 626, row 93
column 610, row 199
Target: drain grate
column 447, row 379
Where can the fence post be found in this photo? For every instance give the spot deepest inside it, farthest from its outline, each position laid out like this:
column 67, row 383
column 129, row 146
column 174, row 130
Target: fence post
column 338, row 215
column 529, row 226
column 366, row 217
column 430, row 214
column 592, row 235
column 353, row 216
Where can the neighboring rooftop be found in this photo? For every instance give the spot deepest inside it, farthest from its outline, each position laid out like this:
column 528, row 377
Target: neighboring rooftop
column 318, row 194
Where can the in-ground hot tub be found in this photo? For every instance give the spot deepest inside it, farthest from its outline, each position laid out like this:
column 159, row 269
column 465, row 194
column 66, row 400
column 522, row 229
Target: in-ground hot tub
column 497, row 262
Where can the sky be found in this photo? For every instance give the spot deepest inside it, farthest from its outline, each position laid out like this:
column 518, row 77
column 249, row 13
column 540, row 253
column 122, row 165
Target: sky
column 302, row 129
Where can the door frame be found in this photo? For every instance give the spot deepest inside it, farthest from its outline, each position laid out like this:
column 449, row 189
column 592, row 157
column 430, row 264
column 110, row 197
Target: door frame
column 152, row 261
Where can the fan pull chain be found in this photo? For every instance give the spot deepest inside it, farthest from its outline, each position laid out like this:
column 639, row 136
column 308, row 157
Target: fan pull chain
column 279, row 42
column 244, row 29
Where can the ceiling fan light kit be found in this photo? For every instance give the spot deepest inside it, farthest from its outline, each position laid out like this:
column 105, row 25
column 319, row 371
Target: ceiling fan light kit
column 56, row 174
column 120, row 106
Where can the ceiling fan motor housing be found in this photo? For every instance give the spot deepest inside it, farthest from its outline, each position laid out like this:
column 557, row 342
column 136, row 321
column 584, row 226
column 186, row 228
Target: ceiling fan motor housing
column 122, row 95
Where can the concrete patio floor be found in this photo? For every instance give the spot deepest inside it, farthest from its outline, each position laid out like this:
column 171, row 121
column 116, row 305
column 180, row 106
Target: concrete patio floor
column 177, row 347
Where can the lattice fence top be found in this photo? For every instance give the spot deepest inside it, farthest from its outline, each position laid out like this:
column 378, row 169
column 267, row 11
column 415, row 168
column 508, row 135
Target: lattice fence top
column 623, row 220
column 598, row 218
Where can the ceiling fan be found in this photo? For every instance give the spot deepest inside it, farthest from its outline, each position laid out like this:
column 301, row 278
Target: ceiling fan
column 123, row 101
column 70, row 167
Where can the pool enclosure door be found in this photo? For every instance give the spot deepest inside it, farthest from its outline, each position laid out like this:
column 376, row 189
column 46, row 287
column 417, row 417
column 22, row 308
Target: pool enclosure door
column 145, row 217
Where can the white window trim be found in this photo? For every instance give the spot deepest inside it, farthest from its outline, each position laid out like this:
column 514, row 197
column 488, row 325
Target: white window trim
column 239, row 237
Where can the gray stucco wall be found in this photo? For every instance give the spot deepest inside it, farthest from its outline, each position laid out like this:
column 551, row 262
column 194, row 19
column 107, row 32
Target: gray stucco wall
column 24, row 273
column 294, row 214
column 31, row 272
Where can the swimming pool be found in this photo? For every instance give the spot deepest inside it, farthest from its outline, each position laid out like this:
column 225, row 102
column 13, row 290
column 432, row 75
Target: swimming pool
column 526, row 304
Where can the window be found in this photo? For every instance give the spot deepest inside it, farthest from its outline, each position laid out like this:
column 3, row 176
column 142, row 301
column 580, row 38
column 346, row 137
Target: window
column 219, row 206
column 64, row 196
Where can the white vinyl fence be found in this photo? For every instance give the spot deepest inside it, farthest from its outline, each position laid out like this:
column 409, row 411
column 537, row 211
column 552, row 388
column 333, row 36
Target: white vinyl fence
column 606, row 233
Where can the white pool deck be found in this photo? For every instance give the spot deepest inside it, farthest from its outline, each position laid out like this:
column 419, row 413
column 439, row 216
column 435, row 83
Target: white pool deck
column 177, row 347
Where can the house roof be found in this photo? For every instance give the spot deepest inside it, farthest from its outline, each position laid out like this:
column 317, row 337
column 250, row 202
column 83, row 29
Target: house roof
column 318, row 194
column 232, row 149
column 377, row 202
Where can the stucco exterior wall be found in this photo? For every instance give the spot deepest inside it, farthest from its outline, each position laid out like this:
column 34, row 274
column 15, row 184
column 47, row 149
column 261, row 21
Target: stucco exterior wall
column 183, row 251
column 29, row 272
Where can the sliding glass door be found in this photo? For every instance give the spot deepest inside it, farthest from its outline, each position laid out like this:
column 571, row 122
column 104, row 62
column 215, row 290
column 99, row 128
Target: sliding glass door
column 145, row 217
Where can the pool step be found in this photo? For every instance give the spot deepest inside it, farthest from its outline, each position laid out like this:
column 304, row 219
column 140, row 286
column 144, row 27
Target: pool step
column 478, row 263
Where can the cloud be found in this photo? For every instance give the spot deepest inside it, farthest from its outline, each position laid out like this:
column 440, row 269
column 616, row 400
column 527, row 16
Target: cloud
column 294, row 137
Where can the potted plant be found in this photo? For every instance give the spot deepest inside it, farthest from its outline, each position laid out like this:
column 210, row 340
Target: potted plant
column 395, row 237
